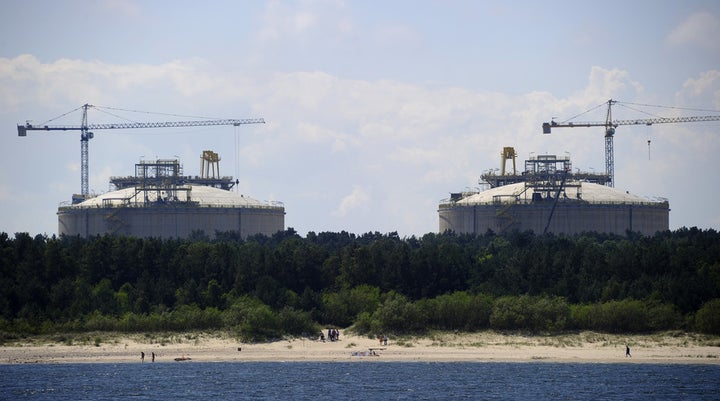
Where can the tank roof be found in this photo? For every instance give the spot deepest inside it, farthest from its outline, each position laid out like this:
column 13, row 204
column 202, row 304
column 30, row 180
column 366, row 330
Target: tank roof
column 587, row 192
column 204, row 196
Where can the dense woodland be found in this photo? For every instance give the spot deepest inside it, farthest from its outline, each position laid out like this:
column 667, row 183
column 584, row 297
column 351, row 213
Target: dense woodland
column 266, row 287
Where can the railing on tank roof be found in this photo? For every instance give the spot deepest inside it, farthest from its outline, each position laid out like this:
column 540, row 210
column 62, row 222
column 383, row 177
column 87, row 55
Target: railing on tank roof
column 180, row 205
column 448, row 205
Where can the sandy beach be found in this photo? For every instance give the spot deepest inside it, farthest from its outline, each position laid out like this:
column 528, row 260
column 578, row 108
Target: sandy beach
column 585, row 347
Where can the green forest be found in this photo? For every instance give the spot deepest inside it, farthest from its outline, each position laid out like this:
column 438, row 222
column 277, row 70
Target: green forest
column 262, row 288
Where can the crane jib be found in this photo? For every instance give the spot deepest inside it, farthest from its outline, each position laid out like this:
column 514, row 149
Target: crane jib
column 547, row 127
column 22, row 129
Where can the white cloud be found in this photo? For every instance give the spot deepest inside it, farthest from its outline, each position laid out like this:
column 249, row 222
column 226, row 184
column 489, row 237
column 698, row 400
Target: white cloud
column 295, row 21
column 608, row 83
column 699, row 30
column 702, row 92
column 175, row 85
column 72, row 166
column 357, row 199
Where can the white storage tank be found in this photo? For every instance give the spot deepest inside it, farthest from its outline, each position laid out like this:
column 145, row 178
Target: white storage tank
column 195, row 208
column 582, row 207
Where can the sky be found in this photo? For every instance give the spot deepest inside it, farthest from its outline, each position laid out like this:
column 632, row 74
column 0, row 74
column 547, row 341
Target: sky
column 375, row 110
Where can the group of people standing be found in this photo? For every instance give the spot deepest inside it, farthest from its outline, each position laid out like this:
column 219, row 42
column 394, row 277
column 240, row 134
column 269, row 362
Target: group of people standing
column 332, row 335
column 142, row 356
column 383, row 339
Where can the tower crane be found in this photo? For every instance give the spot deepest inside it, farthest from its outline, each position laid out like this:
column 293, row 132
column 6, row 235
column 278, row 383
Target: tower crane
column 610, row 126
column 86, row 134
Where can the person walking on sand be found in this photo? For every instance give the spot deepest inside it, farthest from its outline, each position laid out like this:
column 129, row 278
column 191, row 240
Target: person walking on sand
column 142, row 357
column 153, row 356
column 627, row 352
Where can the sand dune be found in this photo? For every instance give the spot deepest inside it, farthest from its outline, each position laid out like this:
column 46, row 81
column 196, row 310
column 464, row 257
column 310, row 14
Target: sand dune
column 587, row 347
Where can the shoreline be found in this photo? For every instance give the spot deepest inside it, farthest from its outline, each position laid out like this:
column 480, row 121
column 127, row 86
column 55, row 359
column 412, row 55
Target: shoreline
column 487, row 346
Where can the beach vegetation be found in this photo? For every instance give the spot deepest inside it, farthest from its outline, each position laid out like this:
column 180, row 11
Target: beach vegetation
column 707, row 319
column 265, row 287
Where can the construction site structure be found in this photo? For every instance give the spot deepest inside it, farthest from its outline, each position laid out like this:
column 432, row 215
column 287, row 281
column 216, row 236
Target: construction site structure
column 209, row 164
column 611, row 124
column 86, row 135
column 549, row 197
column 172, row 170
column 533, row 164
column 159, row 201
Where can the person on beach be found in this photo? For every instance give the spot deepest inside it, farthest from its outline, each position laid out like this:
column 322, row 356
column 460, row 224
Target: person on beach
column 153, row 356
column 627, row 352
column 142, row 357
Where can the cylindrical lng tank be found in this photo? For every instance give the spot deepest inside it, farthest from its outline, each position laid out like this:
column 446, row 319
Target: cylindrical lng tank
column 208, row 210
column 586, row 208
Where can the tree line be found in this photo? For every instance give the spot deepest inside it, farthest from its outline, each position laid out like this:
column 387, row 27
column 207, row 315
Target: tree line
column 265, row 287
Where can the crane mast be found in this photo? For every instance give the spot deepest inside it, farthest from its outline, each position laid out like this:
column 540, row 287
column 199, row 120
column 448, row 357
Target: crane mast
column 86, row 135
column 609, row 124
column 609, row 151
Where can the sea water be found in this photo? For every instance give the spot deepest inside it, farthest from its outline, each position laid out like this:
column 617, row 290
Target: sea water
column 359, row 381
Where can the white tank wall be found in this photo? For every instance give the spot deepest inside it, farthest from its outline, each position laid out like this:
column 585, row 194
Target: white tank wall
column 169, row 222
column 567, row 219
